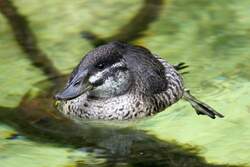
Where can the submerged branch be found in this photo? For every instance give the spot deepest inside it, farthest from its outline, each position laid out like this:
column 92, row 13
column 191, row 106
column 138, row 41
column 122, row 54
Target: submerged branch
column 26, row 39
column 134, row 29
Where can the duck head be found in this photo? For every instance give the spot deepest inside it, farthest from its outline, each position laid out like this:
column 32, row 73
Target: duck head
column 114, row 69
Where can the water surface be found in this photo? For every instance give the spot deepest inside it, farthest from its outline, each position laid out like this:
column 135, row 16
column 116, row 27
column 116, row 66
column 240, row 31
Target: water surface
column 213, row 37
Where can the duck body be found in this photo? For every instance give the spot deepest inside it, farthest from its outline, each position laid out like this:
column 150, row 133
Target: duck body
column 118, row 81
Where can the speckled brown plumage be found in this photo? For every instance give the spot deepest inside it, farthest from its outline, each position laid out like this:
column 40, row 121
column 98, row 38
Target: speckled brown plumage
column 127, row 82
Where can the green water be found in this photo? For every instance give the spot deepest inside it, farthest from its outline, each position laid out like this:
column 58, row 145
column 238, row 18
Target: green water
column 213, row 37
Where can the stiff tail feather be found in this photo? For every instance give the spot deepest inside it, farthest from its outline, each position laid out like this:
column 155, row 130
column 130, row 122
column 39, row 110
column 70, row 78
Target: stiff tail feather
column 200, row 107
column 180, row 67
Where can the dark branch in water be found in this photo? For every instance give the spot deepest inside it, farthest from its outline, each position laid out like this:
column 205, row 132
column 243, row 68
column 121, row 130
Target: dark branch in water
column 4, row 110
column 26, row 39
column 133, row 29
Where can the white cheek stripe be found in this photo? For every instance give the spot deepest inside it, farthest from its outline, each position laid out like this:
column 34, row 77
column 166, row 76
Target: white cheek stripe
column 98, row 75
column 118, row 64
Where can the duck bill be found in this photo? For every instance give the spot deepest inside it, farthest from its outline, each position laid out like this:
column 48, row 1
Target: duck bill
column 75, row 88
column 71, row 92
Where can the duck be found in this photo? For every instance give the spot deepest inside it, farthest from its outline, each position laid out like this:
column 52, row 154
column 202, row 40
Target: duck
column 120, row 81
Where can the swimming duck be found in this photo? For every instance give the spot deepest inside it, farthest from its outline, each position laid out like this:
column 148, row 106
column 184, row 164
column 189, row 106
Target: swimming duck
column 118, row 81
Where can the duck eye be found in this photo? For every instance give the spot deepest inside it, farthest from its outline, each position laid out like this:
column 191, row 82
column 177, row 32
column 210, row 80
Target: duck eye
column 100, row 66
